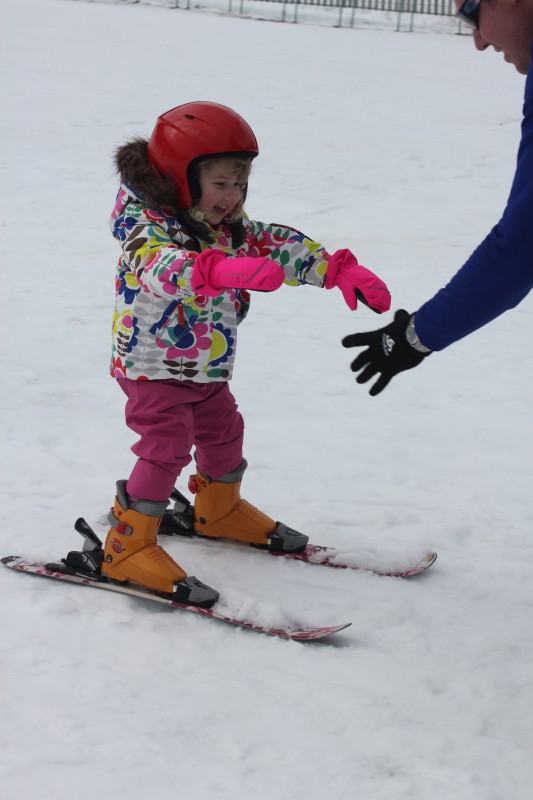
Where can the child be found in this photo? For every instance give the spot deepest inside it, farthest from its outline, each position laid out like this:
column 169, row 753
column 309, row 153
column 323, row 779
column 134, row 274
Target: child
column 189, row 257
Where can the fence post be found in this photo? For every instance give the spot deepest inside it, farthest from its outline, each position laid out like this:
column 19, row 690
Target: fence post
column 352, row 18
column 399, row 8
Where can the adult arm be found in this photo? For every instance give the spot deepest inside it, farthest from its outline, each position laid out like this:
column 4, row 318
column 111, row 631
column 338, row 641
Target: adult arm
column 499, row 273
column 496, row 277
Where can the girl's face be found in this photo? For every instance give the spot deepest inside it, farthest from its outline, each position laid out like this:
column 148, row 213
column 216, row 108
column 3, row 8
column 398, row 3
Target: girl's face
column 221, row 190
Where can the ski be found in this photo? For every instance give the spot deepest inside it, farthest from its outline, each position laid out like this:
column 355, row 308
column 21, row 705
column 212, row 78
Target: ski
column 333, row 557
column 54, row 570
column 399, row 565
column 339, row 559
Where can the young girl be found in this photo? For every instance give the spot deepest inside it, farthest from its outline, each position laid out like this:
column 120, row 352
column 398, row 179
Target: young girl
column 189, row 257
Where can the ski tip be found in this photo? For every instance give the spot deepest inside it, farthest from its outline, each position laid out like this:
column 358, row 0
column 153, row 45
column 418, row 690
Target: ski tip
column 423, row 565
column 312, row 634
column 337, row 628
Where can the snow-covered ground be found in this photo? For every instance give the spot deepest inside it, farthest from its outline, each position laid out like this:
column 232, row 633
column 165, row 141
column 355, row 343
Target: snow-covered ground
column 401, row 147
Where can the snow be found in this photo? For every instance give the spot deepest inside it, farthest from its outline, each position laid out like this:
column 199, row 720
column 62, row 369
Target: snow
column 402, row 147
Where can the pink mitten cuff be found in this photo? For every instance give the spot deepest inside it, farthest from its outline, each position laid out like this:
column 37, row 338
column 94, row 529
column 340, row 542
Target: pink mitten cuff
column 213, row 272
column 201, row 280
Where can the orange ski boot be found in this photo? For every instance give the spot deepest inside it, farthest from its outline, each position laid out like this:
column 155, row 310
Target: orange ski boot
column 219, row 511
column 131, row 553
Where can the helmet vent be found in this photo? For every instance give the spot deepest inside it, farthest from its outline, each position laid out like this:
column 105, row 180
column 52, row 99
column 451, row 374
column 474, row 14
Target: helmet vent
column 190, row 116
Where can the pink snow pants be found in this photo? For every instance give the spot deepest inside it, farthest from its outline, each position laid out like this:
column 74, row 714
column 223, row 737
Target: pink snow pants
column 172, row 416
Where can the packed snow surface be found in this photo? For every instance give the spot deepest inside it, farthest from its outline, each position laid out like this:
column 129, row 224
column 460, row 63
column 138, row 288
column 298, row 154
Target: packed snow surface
column 401, row 147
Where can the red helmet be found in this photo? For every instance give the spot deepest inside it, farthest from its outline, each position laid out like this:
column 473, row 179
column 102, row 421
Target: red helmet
column 196, row 130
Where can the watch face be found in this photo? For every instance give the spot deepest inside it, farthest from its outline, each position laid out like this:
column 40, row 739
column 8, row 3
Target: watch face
column 410, row 334
column 414, row 341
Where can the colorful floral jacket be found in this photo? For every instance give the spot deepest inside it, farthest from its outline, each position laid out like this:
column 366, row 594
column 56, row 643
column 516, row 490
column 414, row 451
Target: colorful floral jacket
column 161, row 328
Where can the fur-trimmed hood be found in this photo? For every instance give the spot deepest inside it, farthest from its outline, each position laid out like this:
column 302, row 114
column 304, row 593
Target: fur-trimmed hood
column 133, row 166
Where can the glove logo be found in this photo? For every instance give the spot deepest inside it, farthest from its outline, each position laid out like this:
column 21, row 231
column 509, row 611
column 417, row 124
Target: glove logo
column 387, row 343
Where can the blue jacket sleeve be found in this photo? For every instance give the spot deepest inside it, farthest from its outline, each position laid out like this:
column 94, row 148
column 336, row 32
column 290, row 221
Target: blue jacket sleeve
column 499, row 273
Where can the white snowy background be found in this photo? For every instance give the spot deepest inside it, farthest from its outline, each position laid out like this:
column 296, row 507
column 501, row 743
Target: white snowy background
column 402, row 147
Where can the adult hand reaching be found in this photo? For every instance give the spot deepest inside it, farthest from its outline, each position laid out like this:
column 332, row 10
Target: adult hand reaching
column 388, row 352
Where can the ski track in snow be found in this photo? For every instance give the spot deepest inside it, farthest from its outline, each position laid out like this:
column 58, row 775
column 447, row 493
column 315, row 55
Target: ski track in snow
column 401, row 147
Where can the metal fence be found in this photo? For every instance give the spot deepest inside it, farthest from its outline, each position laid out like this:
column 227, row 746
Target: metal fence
column 348, row 12
column 348, row 8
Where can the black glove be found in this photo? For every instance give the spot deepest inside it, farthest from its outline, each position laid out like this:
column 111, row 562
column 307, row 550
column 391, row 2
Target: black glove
column 388, row 352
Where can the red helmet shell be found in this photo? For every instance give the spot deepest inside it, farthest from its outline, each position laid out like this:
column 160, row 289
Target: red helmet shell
column 196, row 130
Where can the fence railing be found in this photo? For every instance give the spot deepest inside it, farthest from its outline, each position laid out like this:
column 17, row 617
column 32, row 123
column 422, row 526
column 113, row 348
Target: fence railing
column 348, row 8
column 399, row 10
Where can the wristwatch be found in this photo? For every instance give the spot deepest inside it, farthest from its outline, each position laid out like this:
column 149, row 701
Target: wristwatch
column 412, row 338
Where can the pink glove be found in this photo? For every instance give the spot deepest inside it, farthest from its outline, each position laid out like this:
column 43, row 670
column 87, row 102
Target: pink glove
column 356, row 281
column 213, row 272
